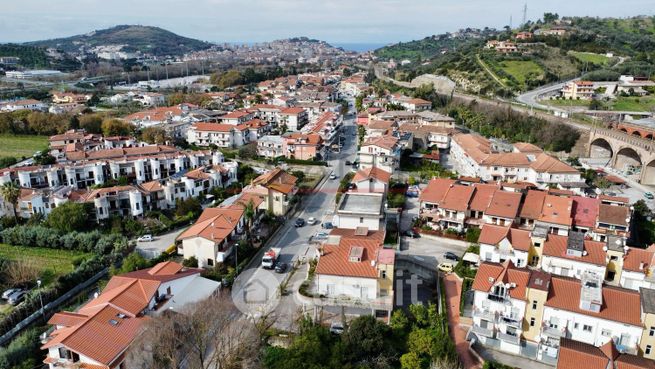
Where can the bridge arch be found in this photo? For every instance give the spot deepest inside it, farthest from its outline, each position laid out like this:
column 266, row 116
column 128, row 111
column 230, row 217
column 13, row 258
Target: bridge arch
column 636, row 133
column 600, row 148
column 627, row 157
column 648, row 173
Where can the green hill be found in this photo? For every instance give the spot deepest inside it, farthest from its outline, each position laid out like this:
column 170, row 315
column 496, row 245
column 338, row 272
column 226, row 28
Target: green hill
column 146, row 39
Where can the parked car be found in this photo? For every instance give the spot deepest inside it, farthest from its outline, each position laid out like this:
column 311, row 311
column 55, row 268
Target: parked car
column 9, row 292
column 280, row 268
column 649, row 196
column 17, row 297
column 348, row 162
column 145, row 238
column 312, row 221
column 411, row 233
column 327, row 225
column 333, row 176
column 446, row 267
column 450, row 256
column 320, row 236
column 299, row 222
column 336, row 328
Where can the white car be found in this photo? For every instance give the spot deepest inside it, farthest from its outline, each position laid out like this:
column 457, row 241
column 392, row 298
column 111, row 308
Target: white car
column 333, row 176
column 336, row 328
column 312, row 221
column 145, row 238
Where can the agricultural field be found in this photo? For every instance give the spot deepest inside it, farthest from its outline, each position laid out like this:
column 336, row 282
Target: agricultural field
column 51, row 263
column 591, row 58
column 521, row 70
column 20, row 146
column 565, row 103
column 644, row 103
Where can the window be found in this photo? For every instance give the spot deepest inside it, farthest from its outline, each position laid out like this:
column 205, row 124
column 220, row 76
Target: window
column 586, row 328
column 651, row 332
column 534, row 304
column 210, row 262
column 384, row 274
column 361, row 219
column 576, row 325
column 606, row 333
column 648, row 349
column 532, row 322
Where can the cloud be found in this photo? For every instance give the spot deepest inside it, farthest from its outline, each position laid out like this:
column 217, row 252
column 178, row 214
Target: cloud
column 263, row 20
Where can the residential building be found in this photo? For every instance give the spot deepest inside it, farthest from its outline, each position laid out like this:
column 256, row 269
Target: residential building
column 271, row 147
column 381, row 152
column 354, row 269
column 98, row 334
column 219, row 134
column 29, row 104
column 360, row 210
column 371, row 180
column 293, row 118
column 212, row 238
column 303, row 146
column 278, row 189
column 578, row 89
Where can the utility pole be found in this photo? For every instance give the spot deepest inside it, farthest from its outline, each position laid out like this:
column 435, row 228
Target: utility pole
column 525, row 13
column 510, row 22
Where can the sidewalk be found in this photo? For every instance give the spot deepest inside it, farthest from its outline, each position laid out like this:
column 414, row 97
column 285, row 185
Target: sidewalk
column 453, row 287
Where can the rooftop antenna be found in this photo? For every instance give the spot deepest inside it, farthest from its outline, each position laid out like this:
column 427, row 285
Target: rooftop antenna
column 525, row 13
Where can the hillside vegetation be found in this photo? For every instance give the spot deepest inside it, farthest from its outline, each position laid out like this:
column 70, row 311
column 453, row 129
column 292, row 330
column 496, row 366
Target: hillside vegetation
column 146, row 39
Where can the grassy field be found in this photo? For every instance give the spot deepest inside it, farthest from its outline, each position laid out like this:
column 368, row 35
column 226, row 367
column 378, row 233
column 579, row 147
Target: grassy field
column 646, row 103
column 565, row 103
column 19, row 146
column 592, row 58
column 520, row 70
column 52, row 263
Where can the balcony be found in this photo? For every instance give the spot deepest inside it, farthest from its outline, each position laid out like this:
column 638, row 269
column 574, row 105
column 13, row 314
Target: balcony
column 484, row 314
column 554, row 332
column 511, row 338
column 510, row 322
column 498, row 299
column 482, row 331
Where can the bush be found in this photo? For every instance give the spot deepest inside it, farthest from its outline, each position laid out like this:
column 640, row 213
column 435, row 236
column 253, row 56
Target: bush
column 472, row 235
column 191, row 262
column 21, row 350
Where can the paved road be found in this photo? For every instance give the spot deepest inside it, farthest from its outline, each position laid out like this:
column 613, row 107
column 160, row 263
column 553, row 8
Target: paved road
column 294, row 242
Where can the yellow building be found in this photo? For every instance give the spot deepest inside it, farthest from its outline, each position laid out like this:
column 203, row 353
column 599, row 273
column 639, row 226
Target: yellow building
column 536, row 296
column 647, row 343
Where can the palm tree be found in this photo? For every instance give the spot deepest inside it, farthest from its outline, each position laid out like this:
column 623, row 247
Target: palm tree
column 249, row 214
column 10, row 192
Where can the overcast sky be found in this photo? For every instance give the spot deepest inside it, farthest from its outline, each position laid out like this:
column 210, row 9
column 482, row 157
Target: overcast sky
column 375, row 21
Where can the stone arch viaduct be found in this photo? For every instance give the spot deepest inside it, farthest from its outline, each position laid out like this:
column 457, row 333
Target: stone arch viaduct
column 625, row 151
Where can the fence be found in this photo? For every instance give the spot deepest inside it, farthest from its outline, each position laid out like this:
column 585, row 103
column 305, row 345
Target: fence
column 50, row 307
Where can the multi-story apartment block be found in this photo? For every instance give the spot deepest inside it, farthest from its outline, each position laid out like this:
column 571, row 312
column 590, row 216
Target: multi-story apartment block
column 381, row 152
column 578, row 90
column 271, row 147
column 475, row 156
column 277, row 188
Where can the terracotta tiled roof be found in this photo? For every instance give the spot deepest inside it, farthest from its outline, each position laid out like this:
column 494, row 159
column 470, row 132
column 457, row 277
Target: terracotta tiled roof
column 292, row 111
column 557, row 210
column 436, row 190
column 277, row 179
column 572, row 354
column 491, row 273
column 492, row 234
column 213, row 127
column 639, row 260
column 613, row 214
column 504, row 204
column 386, row 142
column 532, row 204
column 214, row 224
column 619, row 304
column 372, row 172
column 556, row 246
column 457, row 198
column 547, row 163
column 152, row 186
column 585, row 211
column 482, row 196
column 526, row 147
column 633, row 362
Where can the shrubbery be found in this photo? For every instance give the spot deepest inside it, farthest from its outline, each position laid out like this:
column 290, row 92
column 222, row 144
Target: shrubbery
column 40, row 236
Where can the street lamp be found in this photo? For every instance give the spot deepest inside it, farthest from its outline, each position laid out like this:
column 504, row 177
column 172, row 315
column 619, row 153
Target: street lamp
column 38, row 283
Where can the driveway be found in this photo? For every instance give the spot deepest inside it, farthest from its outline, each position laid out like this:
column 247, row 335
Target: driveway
column 453, row 288
column 159, row 244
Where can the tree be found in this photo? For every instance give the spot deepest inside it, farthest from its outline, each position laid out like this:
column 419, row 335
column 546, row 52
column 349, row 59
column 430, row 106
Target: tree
column 91, row 123
column 190, row 205
column 364, row 339
column 69, row 217
column 249, row 214
column 550, row 17
column 116, row 127
column 11, row 193
column 133, row 261
column 207, row 332
column 154, row 135
column 248, row 151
